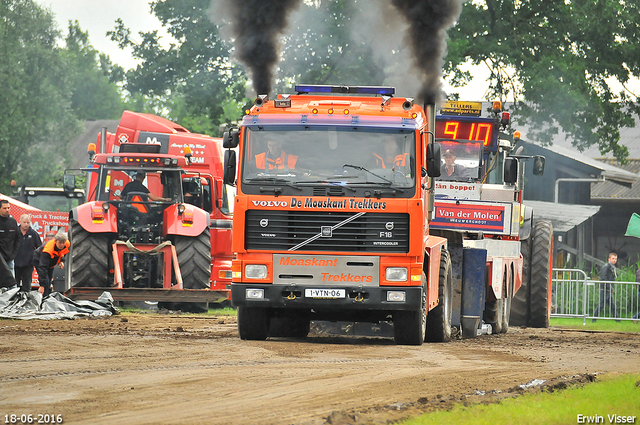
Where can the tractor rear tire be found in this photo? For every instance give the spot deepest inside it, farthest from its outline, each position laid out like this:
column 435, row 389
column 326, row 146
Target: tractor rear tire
column 520, row 301
column 194, row 258
column 253, row 323
column 88, row 261
column 541, row 268
column 439, row 319
column 410, row 326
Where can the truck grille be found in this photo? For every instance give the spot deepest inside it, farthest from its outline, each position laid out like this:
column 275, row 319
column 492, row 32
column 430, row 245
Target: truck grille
column 370, row 232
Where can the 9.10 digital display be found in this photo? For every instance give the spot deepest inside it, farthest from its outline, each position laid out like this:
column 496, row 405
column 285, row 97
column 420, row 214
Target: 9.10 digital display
column 466, row 130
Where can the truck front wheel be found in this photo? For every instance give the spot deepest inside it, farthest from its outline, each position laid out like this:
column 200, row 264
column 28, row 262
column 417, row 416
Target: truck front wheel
column 253, row 323
column 439, row 319
column 409, row 326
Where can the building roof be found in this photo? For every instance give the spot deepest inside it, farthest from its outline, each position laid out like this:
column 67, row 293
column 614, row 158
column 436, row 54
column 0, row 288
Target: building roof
column 610, row 191
column 564, row 217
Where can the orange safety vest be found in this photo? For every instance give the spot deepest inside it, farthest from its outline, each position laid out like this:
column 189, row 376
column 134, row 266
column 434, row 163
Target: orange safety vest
column 399, row 160
column 49, row 248
column 279, row 163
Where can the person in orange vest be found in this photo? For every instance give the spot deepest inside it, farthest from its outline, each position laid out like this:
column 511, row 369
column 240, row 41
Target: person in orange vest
column 392, row 157
column 275, row 158
column 48, row 256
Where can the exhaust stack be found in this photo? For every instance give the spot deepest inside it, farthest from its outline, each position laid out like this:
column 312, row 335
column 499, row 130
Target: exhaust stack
column 430, row 112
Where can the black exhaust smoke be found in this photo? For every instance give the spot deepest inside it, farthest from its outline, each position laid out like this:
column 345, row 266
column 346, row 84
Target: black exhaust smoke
column 427, row 33
column 256, row 26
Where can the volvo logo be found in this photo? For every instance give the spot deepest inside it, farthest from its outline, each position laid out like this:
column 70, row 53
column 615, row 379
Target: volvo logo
column 326, row 232
column 264, row 222
column 389, row 225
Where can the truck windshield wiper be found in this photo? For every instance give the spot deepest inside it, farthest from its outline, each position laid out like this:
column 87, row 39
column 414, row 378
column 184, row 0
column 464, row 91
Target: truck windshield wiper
column 276, row 180
column 357, row 167
column 385, row 181
column 330, row 182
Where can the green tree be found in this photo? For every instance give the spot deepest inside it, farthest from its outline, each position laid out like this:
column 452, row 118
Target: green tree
column 35, row 100
column 322, row 47
column 196, row 71
column 554, row 58
column 93, row 78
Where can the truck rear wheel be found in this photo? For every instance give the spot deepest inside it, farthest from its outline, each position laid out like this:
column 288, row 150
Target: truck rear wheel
column 540, row 284
column 493, row 312
column 520, row 301
column 439, row 319
column 410, row 326
column 253, row 323
column 89, row 258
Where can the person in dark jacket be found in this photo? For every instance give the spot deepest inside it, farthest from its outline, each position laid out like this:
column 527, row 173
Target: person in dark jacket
column 9, row 243
column 29, row 242
column 607, row 273
column 137, row 185
column 49, row 256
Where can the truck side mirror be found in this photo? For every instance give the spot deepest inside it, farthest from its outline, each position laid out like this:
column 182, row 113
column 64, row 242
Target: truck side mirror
column 229, row 167
column 538, row 165
column 231, row 138
column 69, row 183
column 510, row 170
column 433, row 160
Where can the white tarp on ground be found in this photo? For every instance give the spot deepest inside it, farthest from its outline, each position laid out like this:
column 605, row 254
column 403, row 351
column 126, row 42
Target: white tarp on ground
column 15, row 304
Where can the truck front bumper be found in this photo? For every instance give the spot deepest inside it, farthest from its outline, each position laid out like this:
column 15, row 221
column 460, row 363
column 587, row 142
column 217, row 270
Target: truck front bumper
column 355, row 297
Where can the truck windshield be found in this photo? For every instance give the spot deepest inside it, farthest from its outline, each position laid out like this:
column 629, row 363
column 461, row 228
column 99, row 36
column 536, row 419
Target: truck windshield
column 351, row 155
column 461, row 160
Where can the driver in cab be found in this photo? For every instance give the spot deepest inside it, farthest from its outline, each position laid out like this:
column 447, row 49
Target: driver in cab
column 137, row 185
column 275, row 158
column 391, row 157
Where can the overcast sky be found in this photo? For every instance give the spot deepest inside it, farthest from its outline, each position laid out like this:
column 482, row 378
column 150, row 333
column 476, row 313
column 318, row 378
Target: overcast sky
column 98, row 16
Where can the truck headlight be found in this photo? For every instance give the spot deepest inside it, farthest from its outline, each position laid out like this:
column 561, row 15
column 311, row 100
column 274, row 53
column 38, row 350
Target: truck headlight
column 255, row 271
column 397, row 274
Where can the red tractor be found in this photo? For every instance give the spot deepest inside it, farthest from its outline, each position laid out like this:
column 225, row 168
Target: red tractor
column 137, row 248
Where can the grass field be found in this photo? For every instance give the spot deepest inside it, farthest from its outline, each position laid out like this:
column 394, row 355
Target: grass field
column 617, row 395
column 599, row 325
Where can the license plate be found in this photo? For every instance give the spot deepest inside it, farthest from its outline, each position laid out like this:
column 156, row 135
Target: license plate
column 325, row 293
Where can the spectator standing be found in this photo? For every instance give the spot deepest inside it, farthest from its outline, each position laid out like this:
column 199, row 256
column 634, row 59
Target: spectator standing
column 48, row 256
column 607, row 273
column 29, row 242
column 9, row 242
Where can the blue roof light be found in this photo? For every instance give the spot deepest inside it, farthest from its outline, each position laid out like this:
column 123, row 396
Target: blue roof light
column 312, row 88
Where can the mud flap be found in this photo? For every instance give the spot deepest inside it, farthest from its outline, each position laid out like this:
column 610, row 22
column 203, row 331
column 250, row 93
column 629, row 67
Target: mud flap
column 474, row 266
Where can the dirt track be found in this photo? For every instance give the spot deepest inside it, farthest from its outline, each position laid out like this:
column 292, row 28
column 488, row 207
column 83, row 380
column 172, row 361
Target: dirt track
column 177, row 369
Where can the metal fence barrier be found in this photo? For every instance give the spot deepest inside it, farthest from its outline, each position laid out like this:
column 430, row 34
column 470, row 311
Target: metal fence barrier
column 573, row 295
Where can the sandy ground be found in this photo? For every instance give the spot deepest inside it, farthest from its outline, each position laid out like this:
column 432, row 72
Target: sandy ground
column 179, row 369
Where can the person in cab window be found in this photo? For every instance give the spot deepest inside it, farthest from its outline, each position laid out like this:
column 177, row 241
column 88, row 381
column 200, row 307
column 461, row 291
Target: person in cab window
column 137, row 185
column 452, row 171
column 391, row 157
column 275, row 158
